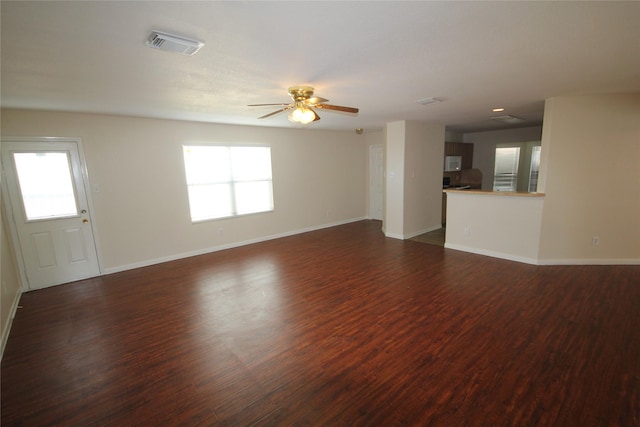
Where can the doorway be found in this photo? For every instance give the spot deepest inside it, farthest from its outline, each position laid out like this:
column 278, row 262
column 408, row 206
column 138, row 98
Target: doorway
column 376, row 182
column 49, row 216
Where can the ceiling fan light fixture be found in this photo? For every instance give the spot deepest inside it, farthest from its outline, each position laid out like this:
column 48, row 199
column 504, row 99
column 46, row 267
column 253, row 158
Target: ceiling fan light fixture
column 302, row 114
column 303, row 106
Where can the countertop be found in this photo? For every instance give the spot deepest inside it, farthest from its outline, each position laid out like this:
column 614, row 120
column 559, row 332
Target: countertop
column 492, row 193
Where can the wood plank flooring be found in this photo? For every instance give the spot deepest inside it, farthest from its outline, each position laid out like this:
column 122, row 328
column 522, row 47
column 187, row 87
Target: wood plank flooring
column 436, row 237
column 337, row 327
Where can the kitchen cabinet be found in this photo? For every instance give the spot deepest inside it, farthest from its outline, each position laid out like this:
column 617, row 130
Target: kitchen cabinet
column 462, row 149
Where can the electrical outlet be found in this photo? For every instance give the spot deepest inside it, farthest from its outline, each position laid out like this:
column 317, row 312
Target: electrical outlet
column 595, row 241
column 467, row 231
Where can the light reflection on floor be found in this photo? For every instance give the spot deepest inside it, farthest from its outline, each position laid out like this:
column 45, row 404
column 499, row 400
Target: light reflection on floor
column 253, row 295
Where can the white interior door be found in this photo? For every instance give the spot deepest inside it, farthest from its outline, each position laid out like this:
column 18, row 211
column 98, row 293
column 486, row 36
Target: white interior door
column 376, row 181
column 50, row 212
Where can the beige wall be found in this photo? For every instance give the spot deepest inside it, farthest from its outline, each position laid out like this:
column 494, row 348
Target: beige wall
column 394, row 147
column 413, row 186
column 141, row 210
column 371, row 138
column 591, row 177
column 495, row 224
column 11, row 287
column 424, row 151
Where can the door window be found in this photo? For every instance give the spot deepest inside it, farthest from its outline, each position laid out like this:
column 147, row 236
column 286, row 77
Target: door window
column 46, row 185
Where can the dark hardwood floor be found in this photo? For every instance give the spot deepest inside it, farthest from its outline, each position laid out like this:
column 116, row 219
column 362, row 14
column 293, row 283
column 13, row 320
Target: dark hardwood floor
column 337, row 327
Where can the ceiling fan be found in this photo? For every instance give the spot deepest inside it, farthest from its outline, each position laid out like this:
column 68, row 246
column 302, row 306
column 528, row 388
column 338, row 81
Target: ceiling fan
column 303, row 106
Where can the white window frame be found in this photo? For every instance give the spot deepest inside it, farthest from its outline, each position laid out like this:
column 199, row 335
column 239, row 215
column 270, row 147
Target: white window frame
column 232, row 181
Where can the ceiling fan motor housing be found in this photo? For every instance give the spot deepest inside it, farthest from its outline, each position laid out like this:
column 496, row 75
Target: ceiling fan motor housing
column 300, row 93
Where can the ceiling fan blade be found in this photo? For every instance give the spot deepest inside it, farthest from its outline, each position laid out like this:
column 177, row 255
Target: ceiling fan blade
column 337, row 108
column 316, row 116
column 266, row 105
column 288, row 107
column 315, row 100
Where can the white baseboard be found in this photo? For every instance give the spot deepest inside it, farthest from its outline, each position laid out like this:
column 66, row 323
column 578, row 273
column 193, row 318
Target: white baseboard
column 414, row 234
column 7, row 326
column 394, row 236
column 175, row 257
column 535, row 261
column 426, row 230
column 607, row 261
column 493, row 254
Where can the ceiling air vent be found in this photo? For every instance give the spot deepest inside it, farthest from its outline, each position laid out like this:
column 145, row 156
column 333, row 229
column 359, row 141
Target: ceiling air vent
column 512, row 120
column 173, row 43
column 427, row 101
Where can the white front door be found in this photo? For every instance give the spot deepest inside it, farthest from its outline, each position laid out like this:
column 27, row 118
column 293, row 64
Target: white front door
column 50, row 212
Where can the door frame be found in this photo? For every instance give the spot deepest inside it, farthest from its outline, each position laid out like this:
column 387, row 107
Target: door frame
column 7, row 209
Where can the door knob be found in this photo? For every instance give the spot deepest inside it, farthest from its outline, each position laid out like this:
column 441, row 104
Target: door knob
column 85, row 221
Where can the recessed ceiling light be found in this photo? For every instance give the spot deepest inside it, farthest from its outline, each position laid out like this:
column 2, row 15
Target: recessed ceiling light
column 497, row 110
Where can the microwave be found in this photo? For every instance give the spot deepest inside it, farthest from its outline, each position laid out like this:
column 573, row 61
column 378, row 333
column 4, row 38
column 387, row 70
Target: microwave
column 452, row 163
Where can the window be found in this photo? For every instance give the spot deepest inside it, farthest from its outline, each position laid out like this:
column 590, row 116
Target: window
column 46, row 185
column 228, row 181
column 505, row 177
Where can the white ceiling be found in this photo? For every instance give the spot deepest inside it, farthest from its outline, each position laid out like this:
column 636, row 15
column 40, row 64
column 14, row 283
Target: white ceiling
column 378, row 56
